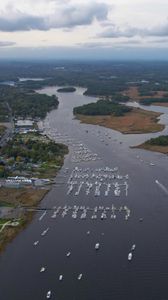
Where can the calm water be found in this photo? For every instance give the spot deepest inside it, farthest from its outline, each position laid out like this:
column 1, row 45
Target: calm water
column 107, row 273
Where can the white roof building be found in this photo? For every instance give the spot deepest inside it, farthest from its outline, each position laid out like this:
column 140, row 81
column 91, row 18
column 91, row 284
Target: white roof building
column 24, row 123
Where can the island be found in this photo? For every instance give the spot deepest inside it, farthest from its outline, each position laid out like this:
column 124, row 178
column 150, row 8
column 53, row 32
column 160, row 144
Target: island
column 159, row 144
column 67, row 90
column 118, row 117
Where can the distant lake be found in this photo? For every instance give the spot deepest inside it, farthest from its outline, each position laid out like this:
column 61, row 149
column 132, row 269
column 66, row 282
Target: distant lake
column 22, row 79
column 11, row 83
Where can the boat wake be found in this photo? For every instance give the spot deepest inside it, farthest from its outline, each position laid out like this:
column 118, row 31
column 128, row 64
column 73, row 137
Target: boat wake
column 164, row 189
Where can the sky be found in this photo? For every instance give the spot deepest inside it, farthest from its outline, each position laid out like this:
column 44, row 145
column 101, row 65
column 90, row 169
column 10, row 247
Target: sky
column 81, row 29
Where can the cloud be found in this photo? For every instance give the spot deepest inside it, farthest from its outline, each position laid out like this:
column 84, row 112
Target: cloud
column 116, row 32
column 6, row 44
column 159, row 40
column 67, row 15
column 112, row 44
column 94, row 45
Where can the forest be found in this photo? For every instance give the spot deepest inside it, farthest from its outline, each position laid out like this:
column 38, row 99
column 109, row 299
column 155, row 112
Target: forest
column 24, row 152
column 159, row 141
column 23, row 103
column 102, row 107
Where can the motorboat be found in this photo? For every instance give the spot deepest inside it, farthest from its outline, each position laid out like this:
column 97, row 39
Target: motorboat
column 80, row 276
column 60, row 277
column 130, row 256
column 133, row 247
column 42, row 269
column 35, row 243
column 68, row 254
column 97, row 246
column 45, row 231
column 48, row 295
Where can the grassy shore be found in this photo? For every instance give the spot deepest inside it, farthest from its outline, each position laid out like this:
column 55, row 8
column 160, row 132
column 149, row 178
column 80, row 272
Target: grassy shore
column 134, row 95
column 154, row 148
column 158, row 144
column 136, row 121
column 14, row 198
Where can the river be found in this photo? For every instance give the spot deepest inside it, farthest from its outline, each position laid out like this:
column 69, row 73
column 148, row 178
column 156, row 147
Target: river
column 107, row 273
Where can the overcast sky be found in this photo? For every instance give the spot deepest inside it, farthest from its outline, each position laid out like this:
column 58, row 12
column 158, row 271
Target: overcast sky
column 84, row 28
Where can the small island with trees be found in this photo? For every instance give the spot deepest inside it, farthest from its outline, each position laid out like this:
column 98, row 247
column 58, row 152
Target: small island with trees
column 68, row 89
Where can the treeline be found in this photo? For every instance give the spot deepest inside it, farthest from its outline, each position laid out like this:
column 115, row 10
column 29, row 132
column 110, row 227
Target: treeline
column 66, row 90
column 27, row 104
column 148, row 101
column 99, row 78
column 120, row 98
column 159, row 141
column 102, row 107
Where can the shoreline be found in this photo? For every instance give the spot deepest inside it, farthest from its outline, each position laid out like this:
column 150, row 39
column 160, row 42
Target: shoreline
column 153, row 148
column 9, row 233
column 134, row 95
column 17, row 200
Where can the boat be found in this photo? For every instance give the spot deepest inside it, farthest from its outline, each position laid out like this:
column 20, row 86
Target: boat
column 48, row 295
column 130, row 256
column 35, row 243
column 45, row 231
column 133, row 247
column 60, row 277
column 68, row 254
column 80, row 276
column 42, row 269
column 97, row 246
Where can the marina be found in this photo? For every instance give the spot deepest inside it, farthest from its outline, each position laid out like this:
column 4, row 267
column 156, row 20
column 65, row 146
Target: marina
column 97, row 212
column 103, row 180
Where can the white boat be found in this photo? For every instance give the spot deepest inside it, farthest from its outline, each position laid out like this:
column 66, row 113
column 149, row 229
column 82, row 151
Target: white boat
column 97, row 246
column 80, row 276
column 42, row 269
column 48, row 295
column 60, row 277
column 68, row 254
column 130, row 256
column 133, row 247
column 35, row 243
column 45, row 231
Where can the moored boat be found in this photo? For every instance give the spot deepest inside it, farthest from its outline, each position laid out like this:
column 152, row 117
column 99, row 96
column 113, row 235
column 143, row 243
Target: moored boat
column 97, row 246
column 130, row 256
